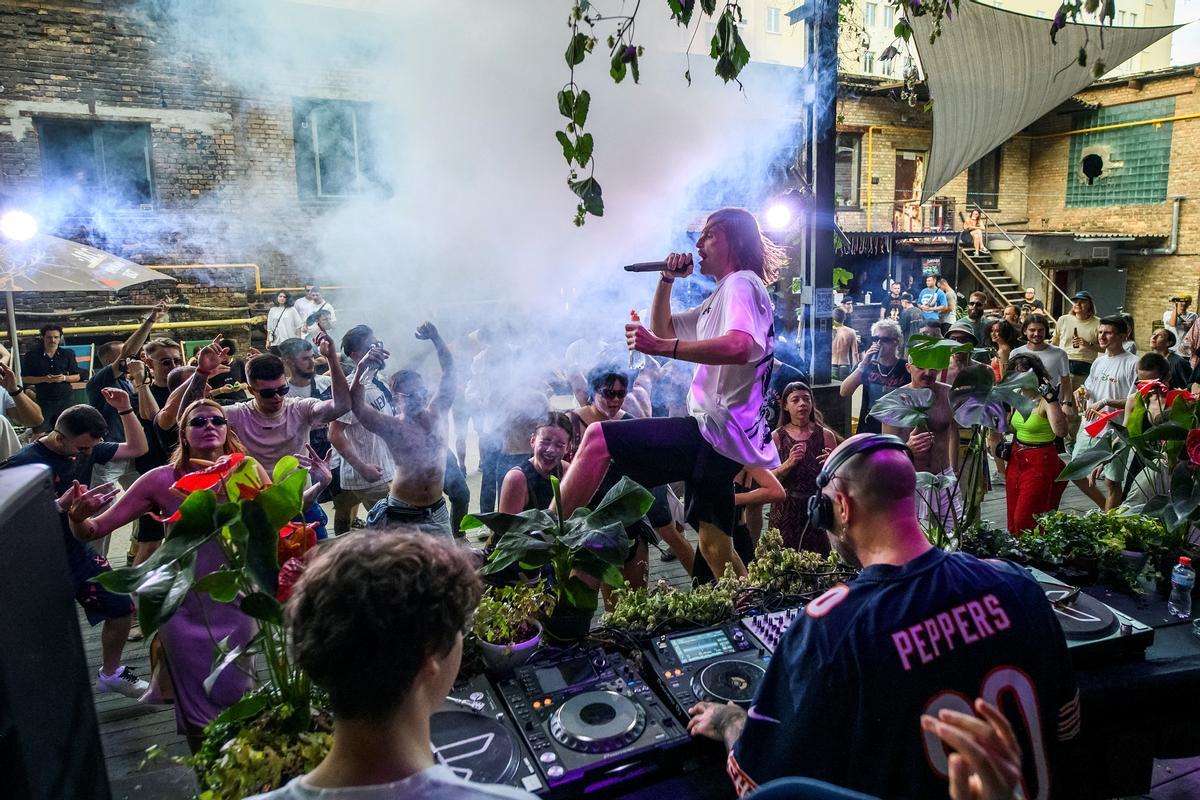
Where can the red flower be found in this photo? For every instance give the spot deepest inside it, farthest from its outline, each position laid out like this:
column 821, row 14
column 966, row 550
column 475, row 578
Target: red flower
column 1193, row 445
column 209, row 477
column 1145, row 388
column 1175, row 394
column 1099, row 423
column 295, row 539
column 289, row 574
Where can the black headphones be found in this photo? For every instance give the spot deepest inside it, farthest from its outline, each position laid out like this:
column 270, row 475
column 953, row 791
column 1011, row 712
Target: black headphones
column 820, row 507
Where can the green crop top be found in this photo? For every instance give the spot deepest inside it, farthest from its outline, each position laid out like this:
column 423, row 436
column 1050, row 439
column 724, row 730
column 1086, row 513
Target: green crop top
column 1032, row 430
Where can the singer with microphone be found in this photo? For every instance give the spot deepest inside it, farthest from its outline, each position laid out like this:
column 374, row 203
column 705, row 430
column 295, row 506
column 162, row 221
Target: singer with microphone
column 731, row 336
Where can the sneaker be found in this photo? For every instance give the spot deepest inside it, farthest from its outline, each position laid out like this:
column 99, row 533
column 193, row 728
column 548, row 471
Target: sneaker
column 668, row 557
column 358, row 523
column 123, row 682
column 135, row 633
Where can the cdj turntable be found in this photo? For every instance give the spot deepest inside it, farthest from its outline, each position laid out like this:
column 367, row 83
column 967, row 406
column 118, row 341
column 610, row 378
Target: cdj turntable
column 473, row 736
column 768, row 628
column 718, row 664
column 1096, row 633
column 590, row 719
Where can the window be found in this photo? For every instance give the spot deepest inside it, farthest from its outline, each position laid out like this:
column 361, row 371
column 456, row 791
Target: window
column 887, row 66
column 889, row 17
column 1122, row 166
column 869, row 14
column 1120, row 17
column 868, row 61
column 333, row 148
column 983, row 181
column 1132, row 19
column 774, row 23
column 846, row 170
column 89, row 164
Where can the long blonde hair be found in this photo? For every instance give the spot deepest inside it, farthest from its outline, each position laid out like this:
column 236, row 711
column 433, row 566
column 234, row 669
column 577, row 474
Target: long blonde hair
column 182, row 453
column 749, row 247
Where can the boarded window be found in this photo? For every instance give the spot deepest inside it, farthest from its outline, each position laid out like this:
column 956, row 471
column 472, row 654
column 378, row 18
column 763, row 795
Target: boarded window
column 983, row 181
column 334, row 156
column 88, row 164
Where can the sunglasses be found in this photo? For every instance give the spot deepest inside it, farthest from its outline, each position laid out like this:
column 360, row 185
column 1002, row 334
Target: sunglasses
column 171, row 362
column 267, row 394
column 891, row 339
column 613, row 394
column 200, row 422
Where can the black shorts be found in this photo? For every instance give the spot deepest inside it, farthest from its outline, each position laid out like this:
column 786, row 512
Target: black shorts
column 98, row 603
column 1079, row 368
column 149, row 530
column 662, row 450
column 660, row 512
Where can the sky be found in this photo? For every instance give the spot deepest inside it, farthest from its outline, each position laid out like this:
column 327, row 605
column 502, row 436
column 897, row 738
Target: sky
column 1185, row 44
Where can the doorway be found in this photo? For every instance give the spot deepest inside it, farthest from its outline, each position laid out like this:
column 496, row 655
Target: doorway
column 910, row 175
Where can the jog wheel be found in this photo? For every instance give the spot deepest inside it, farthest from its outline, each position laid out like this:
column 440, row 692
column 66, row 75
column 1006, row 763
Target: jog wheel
column 476, row 748
column 598, row 721
column 731, row 680
column 1083, row 618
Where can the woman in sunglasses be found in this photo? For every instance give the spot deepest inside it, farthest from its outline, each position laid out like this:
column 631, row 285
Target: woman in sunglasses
column 204, row 438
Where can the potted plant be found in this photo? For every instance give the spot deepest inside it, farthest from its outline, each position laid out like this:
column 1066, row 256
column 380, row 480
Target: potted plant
column 583, row 550
column 506, row 623
column 793, row 573
column 661, row 608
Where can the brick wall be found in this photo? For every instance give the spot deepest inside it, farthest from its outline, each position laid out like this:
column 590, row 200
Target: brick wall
column 223, row 161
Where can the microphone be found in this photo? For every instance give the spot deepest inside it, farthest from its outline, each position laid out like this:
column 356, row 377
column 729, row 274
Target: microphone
column 647, row 266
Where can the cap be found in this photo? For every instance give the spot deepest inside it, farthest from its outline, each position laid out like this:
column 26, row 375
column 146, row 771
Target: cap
column 906, row 296
column 964, row 326
column 1182, row 298
column 1082, row 296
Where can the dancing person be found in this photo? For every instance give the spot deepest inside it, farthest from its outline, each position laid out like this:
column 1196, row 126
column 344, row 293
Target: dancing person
column 1107, row 387
column 366, row 462
column 1012, row 315
column 317, row 323
column 911, row 318
column 1032, row 485
column 377, row 621
column 844, row 347
column 753, row 488
column 1078, row 333
column 52, row 369
column 1153, row 373
column 918, row 629
column 1054, row 359
column 731, row 336
column 803, row 443
column 416, row 436
column 973, row 232
column 15, row 403
column 880, row 371
column 283, row 321
column 188, row 637
column 71, row 450
column 1030, row 304
column 951, row 312
column 528, row 486
column 979, row 323
column 936, row 448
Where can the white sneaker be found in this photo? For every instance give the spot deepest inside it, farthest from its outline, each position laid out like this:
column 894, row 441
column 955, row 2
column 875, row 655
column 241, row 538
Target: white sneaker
column 123, row 682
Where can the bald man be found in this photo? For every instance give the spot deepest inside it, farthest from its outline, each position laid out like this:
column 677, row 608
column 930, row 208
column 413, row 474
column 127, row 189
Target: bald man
column 917, row 631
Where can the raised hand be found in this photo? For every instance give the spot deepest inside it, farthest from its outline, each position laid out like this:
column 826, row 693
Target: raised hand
column 8, row 379
column 427, row 331
column 373, row 360
column 159, row 311
column 92, row 502
column 209, row 357
column 325, row 345
column 135, row 368
column 986, row 762
column 117, row 398
column 679, row 265
column 318, row 468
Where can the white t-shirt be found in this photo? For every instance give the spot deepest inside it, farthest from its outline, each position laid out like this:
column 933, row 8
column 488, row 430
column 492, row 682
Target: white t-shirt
column 306, row 308
column 1183, row 324
column 1054, row 359
column 1111, row 378
column 729, row 401
column 269, row 439
column 370, row 447
column 283, row 324
column 434, row 783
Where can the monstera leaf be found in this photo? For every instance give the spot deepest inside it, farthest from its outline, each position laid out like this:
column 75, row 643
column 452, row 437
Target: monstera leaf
column 978, row 400
column 930, row 352
column 904, row 407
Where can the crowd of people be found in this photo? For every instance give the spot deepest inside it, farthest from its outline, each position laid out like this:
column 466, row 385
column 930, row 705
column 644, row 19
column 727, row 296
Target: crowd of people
column 725, row 435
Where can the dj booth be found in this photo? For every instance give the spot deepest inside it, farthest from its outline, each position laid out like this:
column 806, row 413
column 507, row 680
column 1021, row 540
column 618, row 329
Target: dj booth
column 588, row 721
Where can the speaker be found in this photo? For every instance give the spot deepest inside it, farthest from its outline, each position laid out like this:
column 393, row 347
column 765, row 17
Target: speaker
column 49, row 740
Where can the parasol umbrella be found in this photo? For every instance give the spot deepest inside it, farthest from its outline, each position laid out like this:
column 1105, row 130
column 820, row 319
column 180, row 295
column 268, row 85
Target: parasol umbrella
column 33, row 262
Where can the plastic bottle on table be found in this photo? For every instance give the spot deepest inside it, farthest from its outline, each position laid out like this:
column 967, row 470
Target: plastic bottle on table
column 637, row 360
column 1183, row 578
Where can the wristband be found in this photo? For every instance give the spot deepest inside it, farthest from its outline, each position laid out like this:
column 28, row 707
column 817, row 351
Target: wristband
column 675, row 350
column 126, row 411
column 203, row 374
column 667, row 281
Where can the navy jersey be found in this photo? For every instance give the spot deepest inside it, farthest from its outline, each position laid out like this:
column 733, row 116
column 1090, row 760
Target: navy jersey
column 845, row 690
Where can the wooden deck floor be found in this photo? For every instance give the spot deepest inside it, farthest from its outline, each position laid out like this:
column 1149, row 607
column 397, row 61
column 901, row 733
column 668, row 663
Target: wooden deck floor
column 127, row 728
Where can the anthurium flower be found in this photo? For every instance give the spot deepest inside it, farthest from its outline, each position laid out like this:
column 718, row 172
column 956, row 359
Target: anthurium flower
column 1146, row 388
column 209, row 477
column 1099, row 423
column 295, row 539
column 1192, row 445
column 289, row 574
column 1175, row 394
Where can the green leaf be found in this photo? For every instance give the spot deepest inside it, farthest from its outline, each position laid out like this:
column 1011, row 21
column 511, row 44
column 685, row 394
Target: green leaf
column 1082, row 465
column 592, row 549
column 902, row 30
column 566, row 102
column 709, row 6
column 903, row 407
column 501, row 524
column 727, row 48
column 194, row 528
column 580, row 46
column 283, row 501
column 221, row 586
column 590, row 195
column 633, row 69
column 1135, row 420
column 568, row 148
column 247, row 707
column 583, row 149
column 162, row 592
column 978, row 400
column 283, row 467
column 579, row 595
column 263, row 607
column 225, row 658
column 625, row 503
column 262, row 546
column 530, row 550
column 580, row 112
column 616, row 67
column 681, row 11
column 930, row 352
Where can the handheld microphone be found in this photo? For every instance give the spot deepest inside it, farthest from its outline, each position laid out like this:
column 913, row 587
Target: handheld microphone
column 647, row 266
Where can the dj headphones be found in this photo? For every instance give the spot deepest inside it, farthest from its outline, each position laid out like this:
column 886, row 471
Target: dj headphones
column 820, row 507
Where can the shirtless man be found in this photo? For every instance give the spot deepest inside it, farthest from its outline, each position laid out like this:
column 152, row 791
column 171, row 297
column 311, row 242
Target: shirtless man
column 416, row 437
column 934, row 450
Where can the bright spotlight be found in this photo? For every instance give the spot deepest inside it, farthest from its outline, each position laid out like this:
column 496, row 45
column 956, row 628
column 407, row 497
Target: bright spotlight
column 779, row 216
column 18, row 225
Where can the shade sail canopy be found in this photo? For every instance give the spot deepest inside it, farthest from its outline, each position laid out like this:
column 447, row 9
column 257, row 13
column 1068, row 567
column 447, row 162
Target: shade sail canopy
column 993, row 72
column 49, row 264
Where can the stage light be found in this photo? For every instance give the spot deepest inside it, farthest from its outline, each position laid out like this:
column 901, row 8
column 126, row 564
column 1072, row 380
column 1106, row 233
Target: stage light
column 779, row 216
column 18, row 225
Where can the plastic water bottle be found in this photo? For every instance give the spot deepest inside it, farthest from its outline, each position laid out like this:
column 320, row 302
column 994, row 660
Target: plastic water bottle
column 1183, row 578
column 637, row 360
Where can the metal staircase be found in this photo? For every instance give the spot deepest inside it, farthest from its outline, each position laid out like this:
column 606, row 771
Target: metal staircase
column 995, row 280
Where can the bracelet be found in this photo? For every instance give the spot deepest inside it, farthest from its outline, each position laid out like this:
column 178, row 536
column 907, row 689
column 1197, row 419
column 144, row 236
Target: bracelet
column 126, row 411
column 667, row 281
column 675, row 350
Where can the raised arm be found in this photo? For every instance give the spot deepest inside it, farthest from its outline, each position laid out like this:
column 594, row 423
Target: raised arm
column 767, row 490
column 25, row 412
column 133, row 344
column 87, row 520
column 377, row 423
column 147, row 406
column 341, row 441
column 448, row 385
column 208, row 361
column 339, row 404
column 135, row 436
column 679, row 265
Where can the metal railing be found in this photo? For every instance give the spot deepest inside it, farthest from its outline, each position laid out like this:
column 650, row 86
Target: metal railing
column 1025, row 256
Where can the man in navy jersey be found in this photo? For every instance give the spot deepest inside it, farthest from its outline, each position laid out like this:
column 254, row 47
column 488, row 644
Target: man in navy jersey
column 919, row 630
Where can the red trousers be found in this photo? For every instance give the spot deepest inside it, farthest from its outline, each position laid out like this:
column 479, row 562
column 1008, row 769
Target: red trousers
column 1030, row 484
